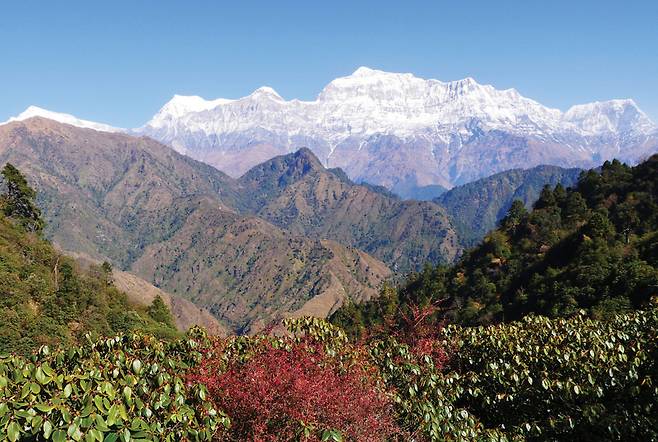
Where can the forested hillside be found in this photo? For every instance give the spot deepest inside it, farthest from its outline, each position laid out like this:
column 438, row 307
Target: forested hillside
column 297, row 193
column 44, row 297
column 592, row 248
column 475, row 208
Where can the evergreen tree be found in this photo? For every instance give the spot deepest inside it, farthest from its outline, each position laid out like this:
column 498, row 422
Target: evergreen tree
column 159, row 312
column 18, row 200
column 593, row 247
column 546, row 198
column 516, row 213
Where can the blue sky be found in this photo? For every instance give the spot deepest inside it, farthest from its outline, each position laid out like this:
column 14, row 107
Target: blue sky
column 119, row 61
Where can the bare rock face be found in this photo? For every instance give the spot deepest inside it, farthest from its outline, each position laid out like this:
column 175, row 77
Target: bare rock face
column 396, row 130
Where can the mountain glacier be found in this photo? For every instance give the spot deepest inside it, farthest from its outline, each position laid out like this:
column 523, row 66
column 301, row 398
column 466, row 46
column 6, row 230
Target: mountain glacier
column 401, row 131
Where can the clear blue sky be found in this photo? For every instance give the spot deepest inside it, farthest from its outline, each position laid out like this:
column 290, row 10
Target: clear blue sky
column 119, row 61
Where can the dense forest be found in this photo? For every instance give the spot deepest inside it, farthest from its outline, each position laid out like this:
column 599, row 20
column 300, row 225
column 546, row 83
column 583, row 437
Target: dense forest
column 593, row 247
column 45, row 297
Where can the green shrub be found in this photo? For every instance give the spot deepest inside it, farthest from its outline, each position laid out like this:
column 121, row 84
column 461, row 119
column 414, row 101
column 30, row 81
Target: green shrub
column 561, row 379
column 130, row 387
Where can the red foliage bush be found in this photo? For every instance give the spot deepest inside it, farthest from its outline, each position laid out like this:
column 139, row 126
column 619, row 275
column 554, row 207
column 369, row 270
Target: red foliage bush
column 278, row 393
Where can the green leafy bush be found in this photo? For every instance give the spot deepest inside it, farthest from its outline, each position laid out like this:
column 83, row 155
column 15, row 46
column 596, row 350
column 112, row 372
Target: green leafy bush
column 561, row 379
column 130, row 387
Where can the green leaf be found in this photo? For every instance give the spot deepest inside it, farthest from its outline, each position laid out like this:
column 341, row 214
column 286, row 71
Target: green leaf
column 40, row 376
column 96, row 433
column 13, row 431
column 44, row 408
column 47, row 429
column 111, row 416
column 98, row 401
column 100, row 424
column 36, row 423
column 59, row 436
column 35, row 388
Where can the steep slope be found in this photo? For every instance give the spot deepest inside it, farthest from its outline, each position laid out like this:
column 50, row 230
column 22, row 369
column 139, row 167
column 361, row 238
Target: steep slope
column 149, row 209
column 185, row 313
column 402, row 132
column 47, row 299
column 296, row 192
column 248, row 272
column 106, row 194
column 476, row 207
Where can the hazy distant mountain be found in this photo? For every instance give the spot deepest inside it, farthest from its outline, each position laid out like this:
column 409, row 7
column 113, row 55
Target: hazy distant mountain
column 476, row 208
column 404, row 132
column 172, row 221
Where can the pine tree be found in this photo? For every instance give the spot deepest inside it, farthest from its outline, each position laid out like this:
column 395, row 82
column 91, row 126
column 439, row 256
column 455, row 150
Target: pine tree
column 159, row 312
column 516, row 213
column 18, row 200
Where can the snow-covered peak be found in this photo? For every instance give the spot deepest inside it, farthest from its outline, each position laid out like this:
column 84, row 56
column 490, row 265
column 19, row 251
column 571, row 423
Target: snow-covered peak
column 371, row 101
column 265, row 91
column 363, row 71
column 623, row 116
column 35, row 111
column 180, row 105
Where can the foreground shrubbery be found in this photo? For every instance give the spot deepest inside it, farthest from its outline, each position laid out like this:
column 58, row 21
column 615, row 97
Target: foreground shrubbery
column 313, row 386
column 126, row 388
column 564, row 379
column 536, row 379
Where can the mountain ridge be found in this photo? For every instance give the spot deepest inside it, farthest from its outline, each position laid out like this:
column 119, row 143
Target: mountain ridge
column 296, row 192
column 402, row 131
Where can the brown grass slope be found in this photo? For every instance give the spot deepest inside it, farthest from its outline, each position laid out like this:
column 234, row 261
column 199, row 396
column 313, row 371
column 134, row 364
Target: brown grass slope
column 142, row 293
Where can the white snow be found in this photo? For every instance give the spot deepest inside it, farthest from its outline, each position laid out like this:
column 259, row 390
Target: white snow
column 372, row 102
column 35, row 111
column 376, row 102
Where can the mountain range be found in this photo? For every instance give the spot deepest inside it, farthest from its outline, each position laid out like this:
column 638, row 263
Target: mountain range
column 266, row 208
column 398, row 130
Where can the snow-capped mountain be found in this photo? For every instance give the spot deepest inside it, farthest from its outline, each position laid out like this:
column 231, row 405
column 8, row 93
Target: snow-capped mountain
column 35, row 111
column 398, row 129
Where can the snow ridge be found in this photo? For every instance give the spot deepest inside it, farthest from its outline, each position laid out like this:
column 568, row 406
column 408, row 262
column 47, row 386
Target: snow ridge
column 35, row 111
column 371, row 101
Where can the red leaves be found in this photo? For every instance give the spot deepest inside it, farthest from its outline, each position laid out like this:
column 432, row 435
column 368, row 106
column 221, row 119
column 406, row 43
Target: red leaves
column 419, row 332
column 277, row 393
